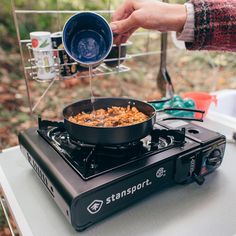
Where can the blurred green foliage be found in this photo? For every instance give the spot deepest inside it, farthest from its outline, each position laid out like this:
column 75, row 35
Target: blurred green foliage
column 32, row 22
column 7, row 28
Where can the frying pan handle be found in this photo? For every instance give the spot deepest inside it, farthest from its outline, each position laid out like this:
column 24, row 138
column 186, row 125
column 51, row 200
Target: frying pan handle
column 182, row 118
column 160, row 101
column 181, row 109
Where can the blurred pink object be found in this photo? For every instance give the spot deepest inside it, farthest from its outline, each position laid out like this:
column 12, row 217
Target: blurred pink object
column 202, row 101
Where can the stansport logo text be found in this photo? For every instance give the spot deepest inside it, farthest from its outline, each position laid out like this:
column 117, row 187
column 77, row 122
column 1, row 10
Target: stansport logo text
column 128, row 191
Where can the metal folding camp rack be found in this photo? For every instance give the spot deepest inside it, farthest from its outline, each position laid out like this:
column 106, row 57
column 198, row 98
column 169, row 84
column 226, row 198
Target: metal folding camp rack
column 30, row 67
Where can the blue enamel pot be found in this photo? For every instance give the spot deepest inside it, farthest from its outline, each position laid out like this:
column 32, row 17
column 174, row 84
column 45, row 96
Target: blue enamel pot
column 87, row 38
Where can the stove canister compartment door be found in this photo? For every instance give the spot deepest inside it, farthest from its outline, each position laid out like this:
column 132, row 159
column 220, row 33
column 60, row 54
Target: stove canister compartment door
column 188, row 168
column 92, row 207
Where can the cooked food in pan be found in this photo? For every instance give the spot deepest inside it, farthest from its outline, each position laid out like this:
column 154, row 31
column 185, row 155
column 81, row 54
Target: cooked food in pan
column 110, row 117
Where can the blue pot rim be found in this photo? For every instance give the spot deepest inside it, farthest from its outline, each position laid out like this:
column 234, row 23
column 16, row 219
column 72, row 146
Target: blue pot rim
column 68, row 52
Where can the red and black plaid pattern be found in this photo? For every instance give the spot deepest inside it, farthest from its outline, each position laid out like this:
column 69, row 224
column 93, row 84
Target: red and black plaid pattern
column 215, row 25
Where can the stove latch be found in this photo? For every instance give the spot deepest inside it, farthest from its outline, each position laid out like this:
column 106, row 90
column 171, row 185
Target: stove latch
column 188, row 169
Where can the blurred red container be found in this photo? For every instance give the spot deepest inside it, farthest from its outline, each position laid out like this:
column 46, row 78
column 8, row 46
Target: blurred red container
column 202, row 101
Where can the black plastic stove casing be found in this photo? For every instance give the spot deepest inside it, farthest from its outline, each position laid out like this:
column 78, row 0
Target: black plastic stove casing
column 86, row 202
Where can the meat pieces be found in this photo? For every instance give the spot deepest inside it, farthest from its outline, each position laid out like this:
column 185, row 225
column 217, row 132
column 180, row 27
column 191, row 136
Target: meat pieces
column 110, row 117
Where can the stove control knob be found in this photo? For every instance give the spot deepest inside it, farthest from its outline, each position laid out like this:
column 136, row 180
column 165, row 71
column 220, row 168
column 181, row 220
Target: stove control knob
column 214, row 159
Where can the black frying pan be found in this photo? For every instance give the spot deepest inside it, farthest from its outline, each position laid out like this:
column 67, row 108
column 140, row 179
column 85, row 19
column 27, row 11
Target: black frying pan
column 113, row 135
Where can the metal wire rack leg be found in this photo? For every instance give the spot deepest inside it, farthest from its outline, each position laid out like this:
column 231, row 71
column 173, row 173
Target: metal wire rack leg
column 21, row 53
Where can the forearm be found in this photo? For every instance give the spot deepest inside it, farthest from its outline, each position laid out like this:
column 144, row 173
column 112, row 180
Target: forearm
column 212, row 26
column 148, row 14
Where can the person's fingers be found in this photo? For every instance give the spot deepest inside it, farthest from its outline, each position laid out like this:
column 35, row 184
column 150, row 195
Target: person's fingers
column 122, row 38
column 123, row 11
column 117, row 39
column 125, row 37
column 123, row 26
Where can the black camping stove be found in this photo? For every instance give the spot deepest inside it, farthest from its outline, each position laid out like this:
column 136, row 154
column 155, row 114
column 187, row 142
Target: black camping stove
column 90, row 182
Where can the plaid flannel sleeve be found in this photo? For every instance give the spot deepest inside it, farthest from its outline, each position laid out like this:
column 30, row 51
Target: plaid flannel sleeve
column 214, row 25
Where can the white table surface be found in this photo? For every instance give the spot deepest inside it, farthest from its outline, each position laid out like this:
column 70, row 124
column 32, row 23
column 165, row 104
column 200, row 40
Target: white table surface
column 188, row 210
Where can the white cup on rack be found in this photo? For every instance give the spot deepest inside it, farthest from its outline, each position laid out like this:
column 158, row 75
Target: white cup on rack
column 43, row 54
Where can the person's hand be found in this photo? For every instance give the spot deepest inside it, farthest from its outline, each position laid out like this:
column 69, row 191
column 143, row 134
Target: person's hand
column 148, row 14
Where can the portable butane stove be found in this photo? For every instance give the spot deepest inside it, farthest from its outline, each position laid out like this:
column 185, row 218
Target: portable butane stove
column 91, row 182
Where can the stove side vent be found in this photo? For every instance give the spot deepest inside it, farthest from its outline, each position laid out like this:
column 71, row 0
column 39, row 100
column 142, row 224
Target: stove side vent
column 39, row 172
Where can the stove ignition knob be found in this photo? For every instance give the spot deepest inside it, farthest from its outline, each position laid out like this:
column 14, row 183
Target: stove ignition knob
column 214, row 159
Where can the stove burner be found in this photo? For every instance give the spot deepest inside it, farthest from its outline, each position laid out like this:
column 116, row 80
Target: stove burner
column 63, row 138
column 90, row 160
